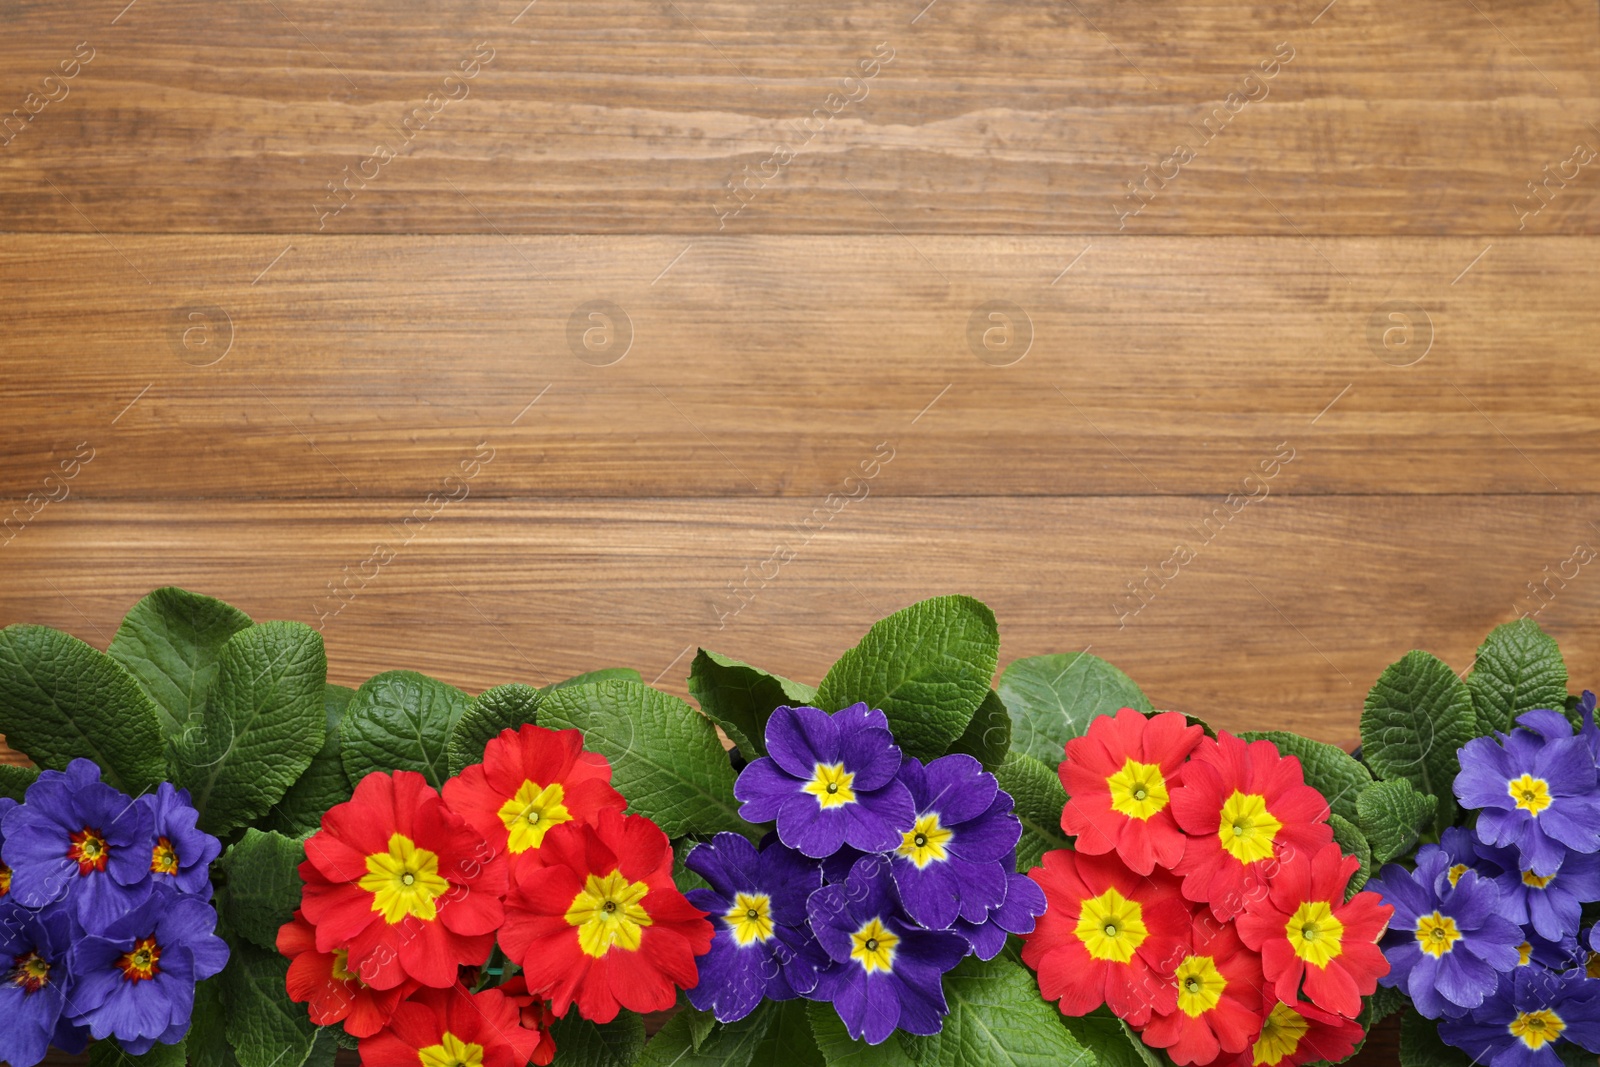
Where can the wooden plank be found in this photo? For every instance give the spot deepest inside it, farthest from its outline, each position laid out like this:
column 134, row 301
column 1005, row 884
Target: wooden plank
column 1283, row 619
column 700, row 117
column 776, row 366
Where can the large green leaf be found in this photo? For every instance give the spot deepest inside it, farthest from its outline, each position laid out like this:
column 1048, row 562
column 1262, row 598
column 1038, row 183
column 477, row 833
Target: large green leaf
column 263, row 721
column 1039, row 798
column 108, row 1054
column 263, row 885
column 840, row 1050
column 1415, row 718
column 1519, row 668
column 61, row 699
column 1421, row 1046
column 208, row 1026
column 997, row 1018
column 265, row 1027
column 505, row 707
column 581, row 1043
column 741, row 698
column 604, row 674
column 1053, row 698
column 401, row 721
column 988, row 736
column 323, row 784
column 665, row 756
column 927, row 666
column 1113, row 1042
column 727, row 1045
column 1354, row 843
column 14, row 780
column 788, row 1038
column 1331, row 771
column 170, row 642
column 1392, row 814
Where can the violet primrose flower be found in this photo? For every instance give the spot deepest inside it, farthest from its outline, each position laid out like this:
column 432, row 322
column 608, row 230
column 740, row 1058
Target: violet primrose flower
column 182, row 853
column 948, row 865
column 1530, row 1015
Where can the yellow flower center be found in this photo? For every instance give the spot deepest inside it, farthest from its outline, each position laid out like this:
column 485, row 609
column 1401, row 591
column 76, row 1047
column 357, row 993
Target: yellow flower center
column 404, row 881
column 926, row 841
column 1591, row 966
column 451, row 1051
column 1281, row 1032
column 163, row 857
column 1200, row 985
column 1536, row 881
column 1437, row 934
column 1248, row 828
column 31, row 972
column 341, row 967
column 830, row 784
column 1111, row 926
column 5, row 879
column 141, row 963
column 750, row 918
column 609, row 912
column 1525, row 953
column 1531, row 794
column 1138, row 790
column 1455, row 873
column 1314, row 933
column 533, row 810
column 872, row 946
column 1536, row 1029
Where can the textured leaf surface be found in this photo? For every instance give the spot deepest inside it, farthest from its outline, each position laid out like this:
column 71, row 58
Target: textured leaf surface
column 1519, row 668
column 997, row 1017
column 263, row 885
column 208, row 1026
column 1354, row 843
column 1036, row 790
column 741, row 698
column 1330, row 771
column 61, row 699
column 505, row 707
column 1052, row 698
column 988, row 736
column 170, row 642
column 14, row 780
column 323, row 784
column 1415, row 718
column 108, row 1054
column 730, row 1045
column 1114, row 1044
column 838, row 1050
column 1421, row 1046
column 604, row 674
column 665, row 756
column 401, row 720
column 581, row 1043
column 927, row 666
column 265, row 1027
column 1391, row 815
column 788, row 1038
column 263, row 721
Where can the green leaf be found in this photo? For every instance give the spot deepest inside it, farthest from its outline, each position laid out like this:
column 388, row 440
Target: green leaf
column 928, row 667
column 1383, row 1003
column 265, row 1027
column 263, row 721
column 681, row 874
column 788, row 1039
column 1039, row 798
column 208, row 1037
column 61, row 699
column 505, row 707
column 321, row 785
column 1114, row 1044
column 840, row 1050
column 263, row 885
column 581, row 1043
column 604, row 674
column 997, row 1017
column 1519, row 668
column 988, row 735
column 108, row 1054
column 14, row 780
column 325, row 1049
column 741, row 698
column 401, row 721
column 665, row 756
column 727, row 1045
column 1392, row 814
column 1053, row 698
column 1421, row 1046
column 1415, row 718
column 1354, row 843
column 1331, row 771
column 170, row 642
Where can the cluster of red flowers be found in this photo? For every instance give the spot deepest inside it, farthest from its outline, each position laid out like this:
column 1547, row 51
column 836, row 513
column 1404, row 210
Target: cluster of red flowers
column 407, row 891
column 1204, row 897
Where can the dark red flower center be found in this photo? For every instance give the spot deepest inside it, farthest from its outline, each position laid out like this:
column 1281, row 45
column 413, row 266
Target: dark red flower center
column 30, row 971
column 164, row 858
column 141, row 963
column 89, row 850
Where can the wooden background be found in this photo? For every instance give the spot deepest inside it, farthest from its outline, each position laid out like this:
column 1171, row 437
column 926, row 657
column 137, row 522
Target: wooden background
column 283, row 268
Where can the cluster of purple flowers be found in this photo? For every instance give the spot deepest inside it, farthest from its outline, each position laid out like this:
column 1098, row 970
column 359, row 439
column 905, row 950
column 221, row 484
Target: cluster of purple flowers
column 105, row 915
column 1487, row 931
column 883, row 873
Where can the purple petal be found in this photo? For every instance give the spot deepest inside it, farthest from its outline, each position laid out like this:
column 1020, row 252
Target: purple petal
column 800, row 738
column 958, row 788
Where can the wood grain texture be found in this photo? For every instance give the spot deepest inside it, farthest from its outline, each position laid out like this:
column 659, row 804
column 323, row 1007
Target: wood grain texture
column 773, row 366
column 635, row 116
